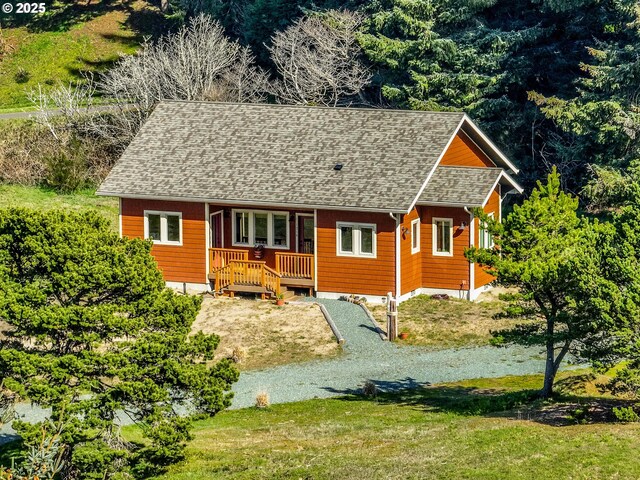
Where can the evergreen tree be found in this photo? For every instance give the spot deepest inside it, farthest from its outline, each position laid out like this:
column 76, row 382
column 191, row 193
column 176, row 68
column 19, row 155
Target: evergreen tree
column 94, row 334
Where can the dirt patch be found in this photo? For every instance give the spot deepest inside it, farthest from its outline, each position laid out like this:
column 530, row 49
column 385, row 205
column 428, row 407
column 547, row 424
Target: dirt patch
column 270, row 335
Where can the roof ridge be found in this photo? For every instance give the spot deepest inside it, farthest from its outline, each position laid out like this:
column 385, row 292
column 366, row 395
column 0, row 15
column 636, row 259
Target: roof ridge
column 312, row 107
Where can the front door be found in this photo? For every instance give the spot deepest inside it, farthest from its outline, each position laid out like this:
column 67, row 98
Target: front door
column 216, row 230
column 305, row 234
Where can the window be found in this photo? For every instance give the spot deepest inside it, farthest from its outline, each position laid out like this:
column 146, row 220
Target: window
column 443, row 236
column 163, row 227
column 415, row 236
column 356, row 239
column 485, row 238
column 258, row 227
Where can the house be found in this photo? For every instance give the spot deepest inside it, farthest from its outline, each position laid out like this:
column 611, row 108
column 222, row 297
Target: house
column 264, row 198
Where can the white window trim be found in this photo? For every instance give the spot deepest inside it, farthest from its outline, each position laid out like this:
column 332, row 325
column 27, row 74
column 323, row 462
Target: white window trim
column 434, row 236
column 487, row 241
column 415, row 223
column 356, row 240
column 252, row 232
column 163, row 227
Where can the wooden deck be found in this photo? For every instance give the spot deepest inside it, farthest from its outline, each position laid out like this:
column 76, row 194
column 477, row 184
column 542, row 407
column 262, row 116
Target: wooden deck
column 230, row 270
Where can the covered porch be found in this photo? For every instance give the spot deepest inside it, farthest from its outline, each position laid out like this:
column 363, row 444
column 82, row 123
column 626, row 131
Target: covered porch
column 231, row 271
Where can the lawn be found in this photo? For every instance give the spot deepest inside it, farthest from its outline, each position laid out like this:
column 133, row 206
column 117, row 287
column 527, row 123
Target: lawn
column 268, row 335
column 446, row 431
column 41, row 198
column 73, row 38
column 447, row 323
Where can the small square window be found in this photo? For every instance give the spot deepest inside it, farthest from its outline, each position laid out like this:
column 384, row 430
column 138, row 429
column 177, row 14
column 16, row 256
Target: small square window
column 163, row 227
column 356, row 240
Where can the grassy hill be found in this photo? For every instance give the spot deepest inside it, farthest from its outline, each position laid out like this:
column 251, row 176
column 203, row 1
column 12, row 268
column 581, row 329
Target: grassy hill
column 68, row 41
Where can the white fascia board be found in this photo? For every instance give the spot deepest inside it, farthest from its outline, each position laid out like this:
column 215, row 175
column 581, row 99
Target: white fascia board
column 490, row 144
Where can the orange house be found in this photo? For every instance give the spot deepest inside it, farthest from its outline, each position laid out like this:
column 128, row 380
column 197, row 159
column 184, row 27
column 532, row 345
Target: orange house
column 336, row 201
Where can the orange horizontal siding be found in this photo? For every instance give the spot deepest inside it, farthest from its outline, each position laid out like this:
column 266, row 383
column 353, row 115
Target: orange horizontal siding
column 369, row 276
column 451, row 273
column 463, row 152
column 185, row 263
column 411, row 264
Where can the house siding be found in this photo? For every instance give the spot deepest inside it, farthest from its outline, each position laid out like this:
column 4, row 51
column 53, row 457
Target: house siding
column 411, row 264
column 340, row 274
column 463, row 152
column 184, row 263
column 444, row 272
column 493, row 206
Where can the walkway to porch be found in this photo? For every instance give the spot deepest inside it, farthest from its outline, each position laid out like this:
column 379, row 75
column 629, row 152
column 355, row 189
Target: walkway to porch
column 231, row 271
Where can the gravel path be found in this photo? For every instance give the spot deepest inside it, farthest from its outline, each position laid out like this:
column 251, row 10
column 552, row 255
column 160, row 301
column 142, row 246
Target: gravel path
column 366, row 357
column 390, row 366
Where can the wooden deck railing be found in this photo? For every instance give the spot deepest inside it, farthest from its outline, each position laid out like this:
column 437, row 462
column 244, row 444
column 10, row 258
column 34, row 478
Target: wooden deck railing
column 247, row 272
column 295, row 265
column 219, row 257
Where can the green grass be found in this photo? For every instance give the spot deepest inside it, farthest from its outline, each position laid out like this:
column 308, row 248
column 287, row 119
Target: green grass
column 41, row 198
column 91, row 38
column 447, row 431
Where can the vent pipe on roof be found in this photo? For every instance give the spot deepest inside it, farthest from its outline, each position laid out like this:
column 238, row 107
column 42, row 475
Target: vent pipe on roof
column 337, row 167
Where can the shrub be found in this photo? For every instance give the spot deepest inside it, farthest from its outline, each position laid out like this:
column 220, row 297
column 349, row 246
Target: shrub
column 369, row 389
column 238, row 354
column 22, row 76
column 625, row 414
column 262, row 400
column 579, row 415
column 67, row 169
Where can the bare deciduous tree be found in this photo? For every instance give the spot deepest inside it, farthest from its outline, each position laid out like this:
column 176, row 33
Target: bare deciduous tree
column 317, row 59
column 196, row 63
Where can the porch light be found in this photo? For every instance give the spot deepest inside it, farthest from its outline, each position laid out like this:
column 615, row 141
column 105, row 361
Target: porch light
column 462, row 226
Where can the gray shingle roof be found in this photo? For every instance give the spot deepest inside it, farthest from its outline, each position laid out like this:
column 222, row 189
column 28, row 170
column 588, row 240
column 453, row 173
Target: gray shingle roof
column 466, row 186
column 283, row 155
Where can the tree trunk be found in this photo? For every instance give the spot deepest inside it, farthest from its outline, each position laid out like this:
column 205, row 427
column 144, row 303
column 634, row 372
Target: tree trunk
column 164, row 6
column 550, row 367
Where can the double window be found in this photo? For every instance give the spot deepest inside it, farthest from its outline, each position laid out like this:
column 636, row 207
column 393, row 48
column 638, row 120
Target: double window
column 257, row 227
column 356, row 239
column 163, row 227
column 485, row 237
column 443, row 236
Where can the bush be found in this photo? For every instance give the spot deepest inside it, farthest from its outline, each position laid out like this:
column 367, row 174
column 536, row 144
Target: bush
column 262, row 400
column 22, row 76
column 369, row 389
column 625, row 414
column 67, row 169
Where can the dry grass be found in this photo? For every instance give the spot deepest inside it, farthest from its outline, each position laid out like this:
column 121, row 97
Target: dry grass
column 270, row 335
column 447, row 323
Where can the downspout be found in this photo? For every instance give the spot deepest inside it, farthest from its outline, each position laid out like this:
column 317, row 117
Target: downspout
column 397, row 262
column 472, row 238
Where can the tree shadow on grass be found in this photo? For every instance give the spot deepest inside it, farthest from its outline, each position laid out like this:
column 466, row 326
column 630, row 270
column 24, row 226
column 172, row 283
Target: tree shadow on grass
column 64, row 15
column 524, row 404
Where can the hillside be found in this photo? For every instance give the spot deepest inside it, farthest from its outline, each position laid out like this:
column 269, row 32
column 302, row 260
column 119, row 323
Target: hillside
column 69, row 41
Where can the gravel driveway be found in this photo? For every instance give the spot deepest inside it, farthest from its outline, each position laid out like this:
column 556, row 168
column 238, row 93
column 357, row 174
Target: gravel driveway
column 390, row 366
column 366, row 357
